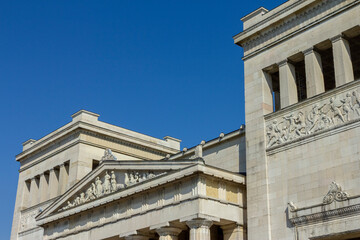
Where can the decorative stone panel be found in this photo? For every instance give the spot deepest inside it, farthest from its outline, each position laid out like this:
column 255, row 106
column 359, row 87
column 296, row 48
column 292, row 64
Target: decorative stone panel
column 322, row 113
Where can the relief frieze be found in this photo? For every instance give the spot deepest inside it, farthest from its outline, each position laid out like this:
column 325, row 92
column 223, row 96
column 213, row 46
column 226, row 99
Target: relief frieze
column 312, row 119
column 108, row 184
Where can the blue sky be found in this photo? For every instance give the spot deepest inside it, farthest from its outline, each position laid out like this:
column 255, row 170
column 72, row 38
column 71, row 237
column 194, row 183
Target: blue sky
column 156, row 67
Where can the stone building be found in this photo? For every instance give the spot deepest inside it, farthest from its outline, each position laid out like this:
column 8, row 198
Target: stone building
column 295, row 175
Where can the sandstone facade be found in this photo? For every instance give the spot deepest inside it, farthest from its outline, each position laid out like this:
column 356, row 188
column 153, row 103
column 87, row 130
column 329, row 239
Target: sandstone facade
column 295, row 175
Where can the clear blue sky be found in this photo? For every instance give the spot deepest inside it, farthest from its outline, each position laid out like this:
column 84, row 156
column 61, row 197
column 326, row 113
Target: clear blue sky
column 156, row 67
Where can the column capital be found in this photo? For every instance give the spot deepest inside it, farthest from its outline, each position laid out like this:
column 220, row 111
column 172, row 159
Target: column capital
column 337, row 38
column 199, row 223
column 168, row 231
column 309, row 50
column 283, row 62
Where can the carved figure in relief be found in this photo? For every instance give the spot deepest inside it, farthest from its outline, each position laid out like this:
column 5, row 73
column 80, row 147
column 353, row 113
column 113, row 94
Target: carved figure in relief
column 321, row 116
column 347, row 107
column 272, row 133
column 151, row 175
column 300, row 124
column 335, row 107
column 106, row 185
column 289, row 128
column 90, row 195
column 113, row 182
column 99, row 187
column 314, row 118
column 82, row 198
column 355, row 100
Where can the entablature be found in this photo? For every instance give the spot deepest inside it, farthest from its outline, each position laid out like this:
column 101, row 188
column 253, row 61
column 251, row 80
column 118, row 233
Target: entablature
column 286, row 21
column 182, row 182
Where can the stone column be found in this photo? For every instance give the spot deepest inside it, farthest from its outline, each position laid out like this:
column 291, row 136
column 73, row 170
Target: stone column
column 233, row 232
column 34, row 191
column 288, row 88
column 43, row 188
column 314, row 73
column 53, row 183
column 199, row 229
column 63, row 178
column 168, row 233
column 342, row 60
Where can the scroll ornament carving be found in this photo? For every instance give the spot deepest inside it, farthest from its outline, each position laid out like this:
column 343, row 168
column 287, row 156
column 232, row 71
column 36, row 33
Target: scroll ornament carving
column 108, row 155
column 335, row 194
column 96, row 190
column 332, row 113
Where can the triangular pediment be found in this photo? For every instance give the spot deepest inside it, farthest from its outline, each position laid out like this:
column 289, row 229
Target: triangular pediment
column 111, row 178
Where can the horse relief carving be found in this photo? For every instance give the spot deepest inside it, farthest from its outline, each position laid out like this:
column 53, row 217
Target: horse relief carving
column 319, row 117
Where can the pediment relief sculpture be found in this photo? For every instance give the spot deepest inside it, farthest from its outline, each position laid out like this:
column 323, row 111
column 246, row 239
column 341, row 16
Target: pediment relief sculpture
column 318, row 117
column 108, row 184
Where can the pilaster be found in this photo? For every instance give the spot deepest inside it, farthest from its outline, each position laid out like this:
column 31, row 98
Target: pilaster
column 34, row 191
column 44, row 186
column 314, row 73
column 63, row 179
column 53, row 183
column 288, row 89
column 342, row 60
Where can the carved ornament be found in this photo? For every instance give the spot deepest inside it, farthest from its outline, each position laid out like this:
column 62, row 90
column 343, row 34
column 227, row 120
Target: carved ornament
column 108, row 185
column 335, row 194
column 108, row 155
column 319, row 117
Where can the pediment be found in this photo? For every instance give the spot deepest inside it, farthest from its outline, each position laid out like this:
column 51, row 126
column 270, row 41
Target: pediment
column 111, row 177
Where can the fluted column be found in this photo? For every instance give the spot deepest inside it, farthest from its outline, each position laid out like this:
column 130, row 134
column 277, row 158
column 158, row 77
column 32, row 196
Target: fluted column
column 43, row 188
column 344, row 72
column 314, row 73
column 34, row 191
column 233, row 232
column 288, row 88
column 63, row 178
column 168, row 233
column 53, row 183
column 199, row 229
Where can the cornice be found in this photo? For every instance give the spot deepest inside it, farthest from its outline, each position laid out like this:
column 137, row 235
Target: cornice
column 270, row 32
column 73, row 126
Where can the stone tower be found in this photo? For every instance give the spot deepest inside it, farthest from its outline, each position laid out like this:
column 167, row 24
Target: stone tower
column 302, row 109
